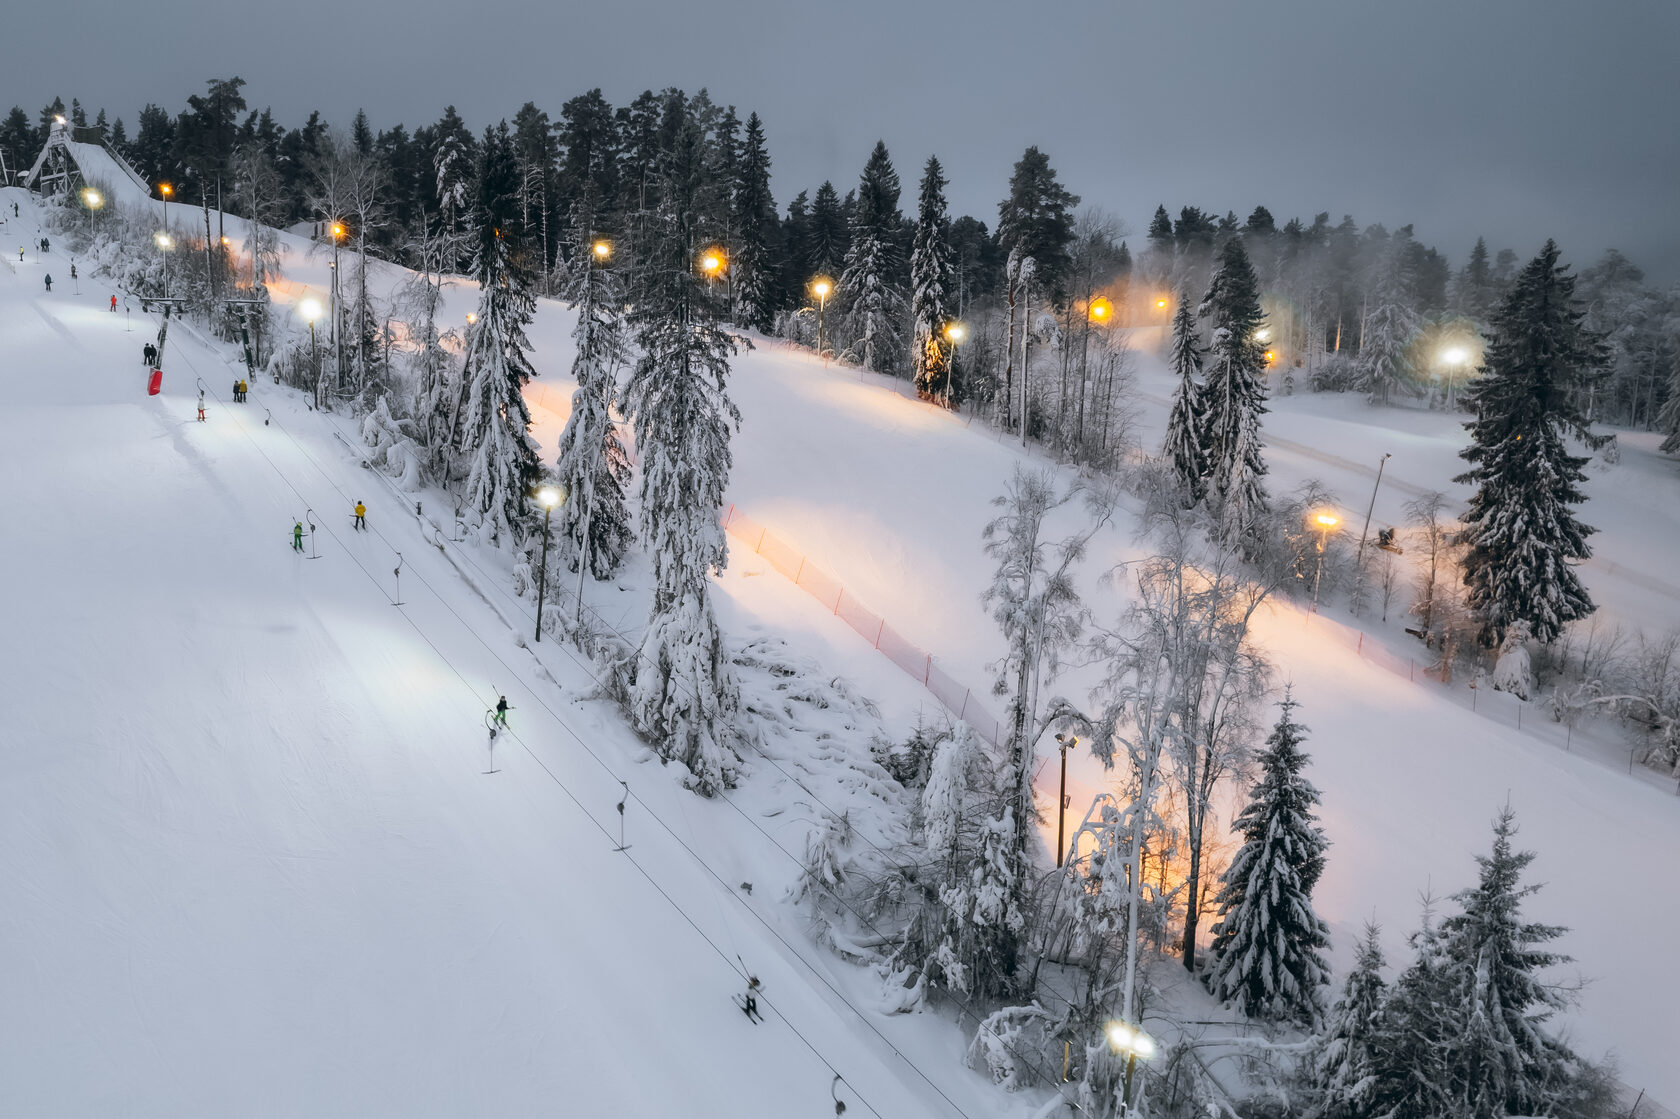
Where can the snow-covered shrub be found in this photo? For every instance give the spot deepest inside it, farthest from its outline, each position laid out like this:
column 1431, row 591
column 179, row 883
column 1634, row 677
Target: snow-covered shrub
column 391, row 445
column 1337, row 373
column 1513, row 672
column 908, row 761
column 1013, row 1047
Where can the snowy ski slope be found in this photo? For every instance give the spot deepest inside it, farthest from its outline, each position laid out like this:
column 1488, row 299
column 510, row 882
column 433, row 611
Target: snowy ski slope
column 250, row 862
column 259, row 863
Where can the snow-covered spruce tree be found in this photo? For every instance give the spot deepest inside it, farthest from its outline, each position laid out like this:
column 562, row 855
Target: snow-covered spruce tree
column 1521, row 528
column 452, row 168
column 1500, row 1058
column 1343, row 1070
column 1385, row 367
column 1408, row 1073
column 1668, row 419
column 594, row 469
column 1186, row 423
column 494, row 441
column 1234, row 397
column 436, row 379
column 1268, row 947
column 870, row 283
column 930, row 279
column 684, row 696
column 756, row 227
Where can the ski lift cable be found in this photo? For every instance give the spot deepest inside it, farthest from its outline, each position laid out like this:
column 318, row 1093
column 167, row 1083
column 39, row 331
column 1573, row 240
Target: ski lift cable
column 963, row 1004
column 721, row 953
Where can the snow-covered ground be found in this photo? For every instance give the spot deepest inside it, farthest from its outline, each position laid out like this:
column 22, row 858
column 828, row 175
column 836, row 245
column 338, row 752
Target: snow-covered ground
column 253, row 866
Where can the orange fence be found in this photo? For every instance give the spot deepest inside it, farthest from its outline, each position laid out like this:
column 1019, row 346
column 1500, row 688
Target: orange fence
column 917, row 662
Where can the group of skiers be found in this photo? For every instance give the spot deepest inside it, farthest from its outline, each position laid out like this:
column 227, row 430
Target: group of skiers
column 149, row 355
column 240, row 388
column 360, row 516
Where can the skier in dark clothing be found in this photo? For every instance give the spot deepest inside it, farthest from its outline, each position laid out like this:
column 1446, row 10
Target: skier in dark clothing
column 150, row 355
column 46, row 246
column 501, row 710
column 49, row 281
column 72, row 270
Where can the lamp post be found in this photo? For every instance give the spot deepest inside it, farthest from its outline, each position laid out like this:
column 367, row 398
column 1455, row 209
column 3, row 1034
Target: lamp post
column 1064, row 743
column 1453, row 358
column 1325, row 521
column 954, row 334
column 713, row 263
column 1130, row 1042
column 164, row 243
column 548, row 497
column 92, row 199
column 1359, row 557
column 337, row 309
column 820, row 287
column 311, row 311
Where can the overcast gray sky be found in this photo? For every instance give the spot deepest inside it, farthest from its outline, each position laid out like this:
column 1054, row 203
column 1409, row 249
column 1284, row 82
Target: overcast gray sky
column 1517, row 119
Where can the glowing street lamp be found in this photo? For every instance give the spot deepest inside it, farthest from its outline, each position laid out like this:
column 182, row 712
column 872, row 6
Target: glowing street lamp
column 602, row 250
column 311, row 310
column 472, row 318
column 1100, row 311
column 93, row 200
column 955, row 332
column 548, row 497
column 1130, row 1042
column 712, row 263
column 1454, row 358
column 1161, row 304
column 164, row 243
column 820, row 287
column 1325, row 521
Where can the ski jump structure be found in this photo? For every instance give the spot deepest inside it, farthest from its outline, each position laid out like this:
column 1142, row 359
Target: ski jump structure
column 66, row 161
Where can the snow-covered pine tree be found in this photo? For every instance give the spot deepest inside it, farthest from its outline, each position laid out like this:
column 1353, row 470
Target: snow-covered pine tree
column 870, row 283
column 930, row 279
column 494, row 440
column 1408, row 1072
column 452, row 169
column 1668, row 419
column 1385, row 366
column 830, row 239
column 1343, row 1070
column 756, row 227
column 594, row 469
column 1473, row 288
column 684, row 696
column 1268, row 947
column 437, row 391
column 1234, row 397
column 1521, row 528
column 1501, row 1060
column 1186, row 423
